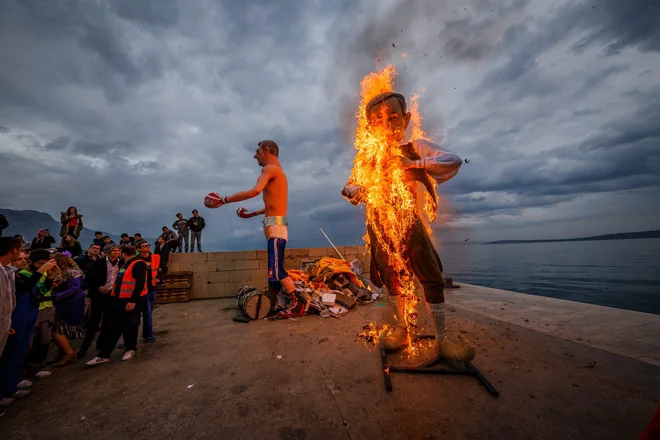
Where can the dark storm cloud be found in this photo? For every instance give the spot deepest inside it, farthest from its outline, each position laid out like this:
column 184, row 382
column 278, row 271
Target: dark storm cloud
column 608, row 22
column 587, row 112
column 622, row 154
column 143, row 107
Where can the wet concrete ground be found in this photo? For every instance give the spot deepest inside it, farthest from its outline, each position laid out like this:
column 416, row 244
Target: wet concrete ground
column 314, row 379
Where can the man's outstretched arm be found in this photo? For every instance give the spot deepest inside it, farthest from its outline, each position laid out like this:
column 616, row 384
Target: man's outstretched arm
column 244, row 213
column 213, row 200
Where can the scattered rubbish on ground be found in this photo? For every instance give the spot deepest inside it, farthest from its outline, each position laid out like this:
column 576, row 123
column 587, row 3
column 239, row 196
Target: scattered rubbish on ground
column 279, row 356
column 83, row 418
column 329, row 287
column 190, row 386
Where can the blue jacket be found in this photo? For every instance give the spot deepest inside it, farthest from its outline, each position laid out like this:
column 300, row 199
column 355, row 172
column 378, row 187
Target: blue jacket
column 70, row 302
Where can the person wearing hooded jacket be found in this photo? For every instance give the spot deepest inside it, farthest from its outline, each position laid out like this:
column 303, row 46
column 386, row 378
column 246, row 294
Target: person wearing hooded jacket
column 43, row 240
column 72, row 223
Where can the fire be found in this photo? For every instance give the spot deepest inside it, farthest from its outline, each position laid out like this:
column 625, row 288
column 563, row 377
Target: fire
column 391, row 209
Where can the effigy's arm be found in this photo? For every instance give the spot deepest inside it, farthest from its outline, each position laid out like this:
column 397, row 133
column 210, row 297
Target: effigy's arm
column 353, row 193
column 440, row 164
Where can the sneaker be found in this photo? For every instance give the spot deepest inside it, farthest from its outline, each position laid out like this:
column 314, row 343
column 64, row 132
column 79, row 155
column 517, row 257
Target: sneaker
column 455, row 352
column 97, row 361
column 128, row 354
column 6, row 401
column 396, row 339
column 151, row 339
column 24, row 385
column 20, row 394
column 43, row 374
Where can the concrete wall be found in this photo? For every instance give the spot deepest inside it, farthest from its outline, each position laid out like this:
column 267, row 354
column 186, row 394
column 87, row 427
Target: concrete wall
column 221, row 274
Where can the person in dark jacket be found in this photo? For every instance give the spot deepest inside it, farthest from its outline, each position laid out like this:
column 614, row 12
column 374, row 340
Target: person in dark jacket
column 72, row 223
column 122, row 314
column 85, row 261
column 43, row 240
column 107, row 240
column 4, row 224
column 125, row 240
column 99, row 280
column 70, row 244
column 162, row 249
column 196, row 223
column 170, row 238
column 69, row 299
column 98, row 238
column 181, row 228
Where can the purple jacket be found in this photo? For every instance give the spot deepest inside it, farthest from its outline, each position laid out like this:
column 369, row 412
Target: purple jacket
column 69, row 299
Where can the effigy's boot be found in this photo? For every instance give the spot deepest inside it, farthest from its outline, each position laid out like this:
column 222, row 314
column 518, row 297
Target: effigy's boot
column 397, row 337
column 445, row 348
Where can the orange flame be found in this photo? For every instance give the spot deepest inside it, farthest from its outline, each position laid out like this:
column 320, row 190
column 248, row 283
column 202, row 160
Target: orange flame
column 391, row 208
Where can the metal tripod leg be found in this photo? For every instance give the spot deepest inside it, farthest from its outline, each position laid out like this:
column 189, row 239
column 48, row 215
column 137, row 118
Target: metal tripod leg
column 431, row 368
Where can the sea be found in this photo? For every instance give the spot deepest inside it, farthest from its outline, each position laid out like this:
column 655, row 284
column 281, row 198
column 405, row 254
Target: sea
column 616, row 273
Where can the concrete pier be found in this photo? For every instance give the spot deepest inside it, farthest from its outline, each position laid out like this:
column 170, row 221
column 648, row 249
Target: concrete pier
column 624, row 332
column 208, row 377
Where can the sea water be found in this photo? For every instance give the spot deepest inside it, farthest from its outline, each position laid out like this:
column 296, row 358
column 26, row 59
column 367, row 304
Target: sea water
column 616, row 273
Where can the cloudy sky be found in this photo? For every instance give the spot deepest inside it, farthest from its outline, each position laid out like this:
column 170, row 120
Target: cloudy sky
column 133, row 111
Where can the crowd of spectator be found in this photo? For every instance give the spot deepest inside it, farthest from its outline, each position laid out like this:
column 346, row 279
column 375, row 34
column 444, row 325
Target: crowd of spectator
column 55, row 292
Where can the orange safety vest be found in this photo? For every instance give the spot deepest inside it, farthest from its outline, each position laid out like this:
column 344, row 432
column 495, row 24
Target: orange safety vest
column 128, row 282
column 154, row 264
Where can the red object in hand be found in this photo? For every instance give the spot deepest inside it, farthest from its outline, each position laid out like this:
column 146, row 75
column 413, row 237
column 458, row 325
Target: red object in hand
column 213, row 200
column 243, row 213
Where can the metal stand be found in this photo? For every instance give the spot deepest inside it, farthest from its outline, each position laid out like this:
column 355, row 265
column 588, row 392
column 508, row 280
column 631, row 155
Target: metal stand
column 432, row 367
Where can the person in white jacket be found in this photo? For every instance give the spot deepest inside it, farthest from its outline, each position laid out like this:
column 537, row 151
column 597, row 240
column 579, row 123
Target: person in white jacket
column 422, row 160
column 10, row 251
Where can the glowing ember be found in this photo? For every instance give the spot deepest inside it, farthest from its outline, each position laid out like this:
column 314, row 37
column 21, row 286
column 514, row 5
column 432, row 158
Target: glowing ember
column 390, row 202
column 372, row 332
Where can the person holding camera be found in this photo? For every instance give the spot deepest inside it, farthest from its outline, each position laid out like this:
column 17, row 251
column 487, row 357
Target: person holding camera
column 43, row 240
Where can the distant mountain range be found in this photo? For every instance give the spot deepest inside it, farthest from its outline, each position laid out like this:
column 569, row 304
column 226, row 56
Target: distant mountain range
column 620, row 236
column 26, row 223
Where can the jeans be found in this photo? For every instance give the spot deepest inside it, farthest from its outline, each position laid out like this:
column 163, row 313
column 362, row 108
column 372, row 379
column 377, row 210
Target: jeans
column 11, row 362
column 196, row 236
column 183, row 238
column 98, row 305
column 117, row 322
column 147, row 316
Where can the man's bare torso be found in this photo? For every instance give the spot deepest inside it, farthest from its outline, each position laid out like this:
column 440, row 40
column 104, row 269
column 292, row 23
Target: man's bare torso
column 276, row 193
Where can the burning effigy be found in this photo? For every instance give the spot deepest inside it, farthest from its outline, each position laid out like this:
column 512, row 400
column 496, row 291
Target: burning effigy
column 395, row 180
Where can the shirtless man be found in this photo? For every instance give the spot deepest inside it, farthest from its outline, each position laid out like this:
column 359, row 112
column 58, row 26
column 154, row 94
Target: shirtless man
column 273, row 183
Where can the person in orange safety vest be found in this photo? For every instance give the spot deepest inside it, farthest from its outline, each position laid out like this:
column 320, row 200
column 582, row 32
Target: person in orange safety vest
column 153, row 263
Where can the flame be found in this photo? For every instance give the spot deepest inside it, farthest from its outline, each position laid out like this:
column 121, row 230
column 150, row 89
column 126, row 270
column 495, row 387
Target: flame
column 391, row 204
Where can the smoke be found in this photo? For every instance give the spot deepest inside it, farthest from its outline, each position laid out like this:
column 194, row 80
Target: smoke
column 417, row 36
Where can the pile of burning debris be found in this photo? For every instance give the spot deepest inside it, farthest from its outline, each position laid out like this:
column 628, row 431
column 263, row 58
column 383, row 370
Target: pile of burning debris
column 329, row 287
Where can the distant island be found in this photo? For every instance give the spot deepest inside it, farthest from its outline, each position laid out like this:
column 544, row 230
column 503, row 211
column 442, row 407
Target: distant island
column 620, row 236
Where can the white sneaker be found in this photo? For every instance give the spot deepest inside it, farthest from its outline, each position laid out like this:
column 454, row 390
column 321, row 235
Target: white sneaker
column 20, row 394
column 24, row 384
column 43, row 374
column 128, row 354
column 97, row 361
